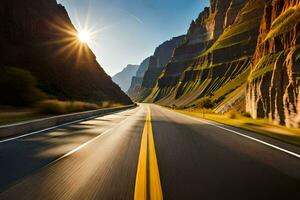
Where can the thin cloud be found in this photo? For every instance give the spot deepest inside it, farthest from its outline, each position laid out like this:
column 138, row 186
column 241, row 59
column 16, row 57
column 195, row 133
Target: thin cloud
column 136, row 18
column 132, row 16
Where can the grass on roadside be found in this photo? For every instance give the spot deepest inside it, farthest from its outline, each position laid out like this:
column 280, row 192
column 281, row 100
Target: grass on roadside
column 56, row 107
column 48, row 108
column 261, row 126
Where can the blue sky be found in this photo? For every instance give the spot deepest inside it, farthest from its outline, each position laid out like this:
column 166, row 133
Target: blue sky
column 129, row 30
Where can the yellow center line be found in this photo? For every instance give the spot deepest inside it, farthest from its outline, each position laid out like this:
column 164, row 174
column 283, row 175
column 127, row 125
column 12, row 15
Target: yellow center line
column 147, row 185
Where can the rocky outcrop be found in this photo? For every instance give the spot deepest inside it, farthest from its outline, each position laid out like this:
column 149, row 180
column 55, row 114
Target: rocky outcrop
column 232, row 12
column 157, row 63
column 123, row 78
column 273, row 88
column 221, row 66
column 137, row 80
column 38, row 35
column 243, row 54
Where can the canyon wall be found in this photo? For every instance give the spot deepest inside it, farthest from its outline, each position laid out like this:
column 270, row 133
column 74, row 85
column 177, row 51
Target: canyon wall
column 220, row 66
column 137, row 80
column 157, row 62
column 274, row 82
column 38, row 36
column 123, row 78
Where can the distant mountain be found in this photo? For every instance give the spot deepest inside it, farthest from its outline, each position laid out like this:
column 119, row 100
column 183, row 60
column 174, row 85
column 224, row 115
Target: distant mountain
column 137, row 80
column 123, row 78
column 143, row 67
column 157, row 63
column 38, row 36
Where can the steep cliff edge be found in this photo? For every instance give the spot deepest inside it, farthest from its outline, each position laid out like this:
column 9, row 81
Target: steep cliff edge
column 157, row 62
column 37, row 35
column 137, row 80
column 273, row 87
column 220, row 71
column 200, row 36
column 242, row 55
column 123, row 78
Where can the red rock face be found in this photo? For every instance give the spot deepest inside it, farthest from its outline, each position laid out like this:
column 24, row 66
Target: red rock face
column 232, row 12
column 219, row 9
column 273, row 89
column 38, row 35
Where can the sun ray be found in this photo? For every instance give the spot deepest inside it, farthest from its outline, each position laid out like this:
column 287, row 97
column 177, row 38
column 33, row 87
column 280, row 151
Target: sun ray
column 84, row 36
column 74, row 42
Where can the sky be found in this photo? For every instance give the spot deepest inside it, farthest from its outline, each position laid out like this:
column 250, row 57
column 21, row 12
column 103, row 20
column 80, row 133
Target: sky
column 128, row 31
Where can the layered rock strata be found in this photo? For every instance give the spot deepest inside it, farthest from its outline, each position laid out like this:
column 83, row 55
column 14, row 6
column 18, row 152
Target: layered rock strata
column 274, row 83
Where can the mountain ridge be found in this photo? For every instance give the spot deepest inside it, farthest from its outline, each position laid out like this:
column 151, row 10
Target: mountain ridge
column 157, row 62
column 123, row 78
column 38, row 36
column 137, row 80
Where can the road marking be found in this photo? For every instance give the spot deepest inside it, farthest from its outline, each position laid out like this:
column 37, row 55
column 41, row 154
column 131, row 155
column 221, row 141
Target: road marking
column 148, row 185
column 243, row 135
column 54, row 127
column 88, row 142
column 140, row 192
column 47, row 129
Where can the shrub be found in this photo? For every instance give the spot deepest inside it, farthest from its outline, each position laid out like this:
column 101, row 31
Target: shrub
column 219, row 100
column 105, row 104
column 108, row 104
column 232, row 114
column 115, row 105
column 246, row 114
column 205, row 102
column 57, row 107
column 18, row 87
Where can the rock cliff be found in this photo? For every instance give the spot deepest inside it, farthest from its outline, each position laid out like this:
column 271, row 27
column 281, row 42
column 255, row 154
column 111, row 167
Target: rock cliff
column 157, row 63
column 123, row 78
column 273, row 87
column 137, row 80
column 220, row 66
column 243, row 54
column 38, row 35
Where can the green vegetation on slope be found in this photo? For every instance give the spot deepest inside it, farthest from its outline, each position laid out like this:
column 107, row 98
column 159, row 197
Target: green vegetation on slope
column 285, row 22
column 232, row 85
column 18, row 87
column 57, row 107
column 265, row 65
column 248, row 20
column 22, row 100
column 219, row 71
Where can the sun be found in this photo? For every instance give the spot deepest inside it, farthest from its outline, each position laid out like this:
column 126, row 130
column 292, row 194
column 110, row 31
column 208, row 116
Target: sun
column 84, row 36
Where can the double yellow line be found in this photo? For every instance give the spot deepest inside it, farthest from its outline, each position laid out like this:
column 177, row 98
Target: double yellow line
column 147, row 185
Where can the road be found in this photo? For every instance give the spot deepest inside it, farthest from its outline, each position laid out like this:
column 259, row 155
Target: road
column 148, row 153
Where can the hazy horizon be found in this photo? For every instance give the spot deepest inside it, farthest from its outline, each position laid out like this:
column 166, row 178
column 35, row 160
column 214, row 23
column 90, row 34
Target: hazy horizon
column 130, row 30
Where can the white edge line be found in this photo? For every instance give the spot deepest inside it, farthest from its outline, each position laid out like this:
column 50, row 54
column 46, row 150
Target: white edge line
column 83, row 145
column 55, row 127
column 47, row 129
column 243, row 135
column 88, row 142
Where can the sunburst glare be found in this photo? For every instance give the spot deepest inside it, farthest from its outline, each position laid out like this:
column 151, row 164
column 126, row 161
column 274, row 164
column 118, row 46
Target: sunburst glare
column 84, row 36
column 76, row 41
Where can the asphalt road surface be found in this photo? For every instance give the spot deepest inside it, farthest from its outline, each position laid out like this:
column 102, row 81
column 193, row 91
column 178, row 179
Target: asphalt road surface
column 148, row 153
